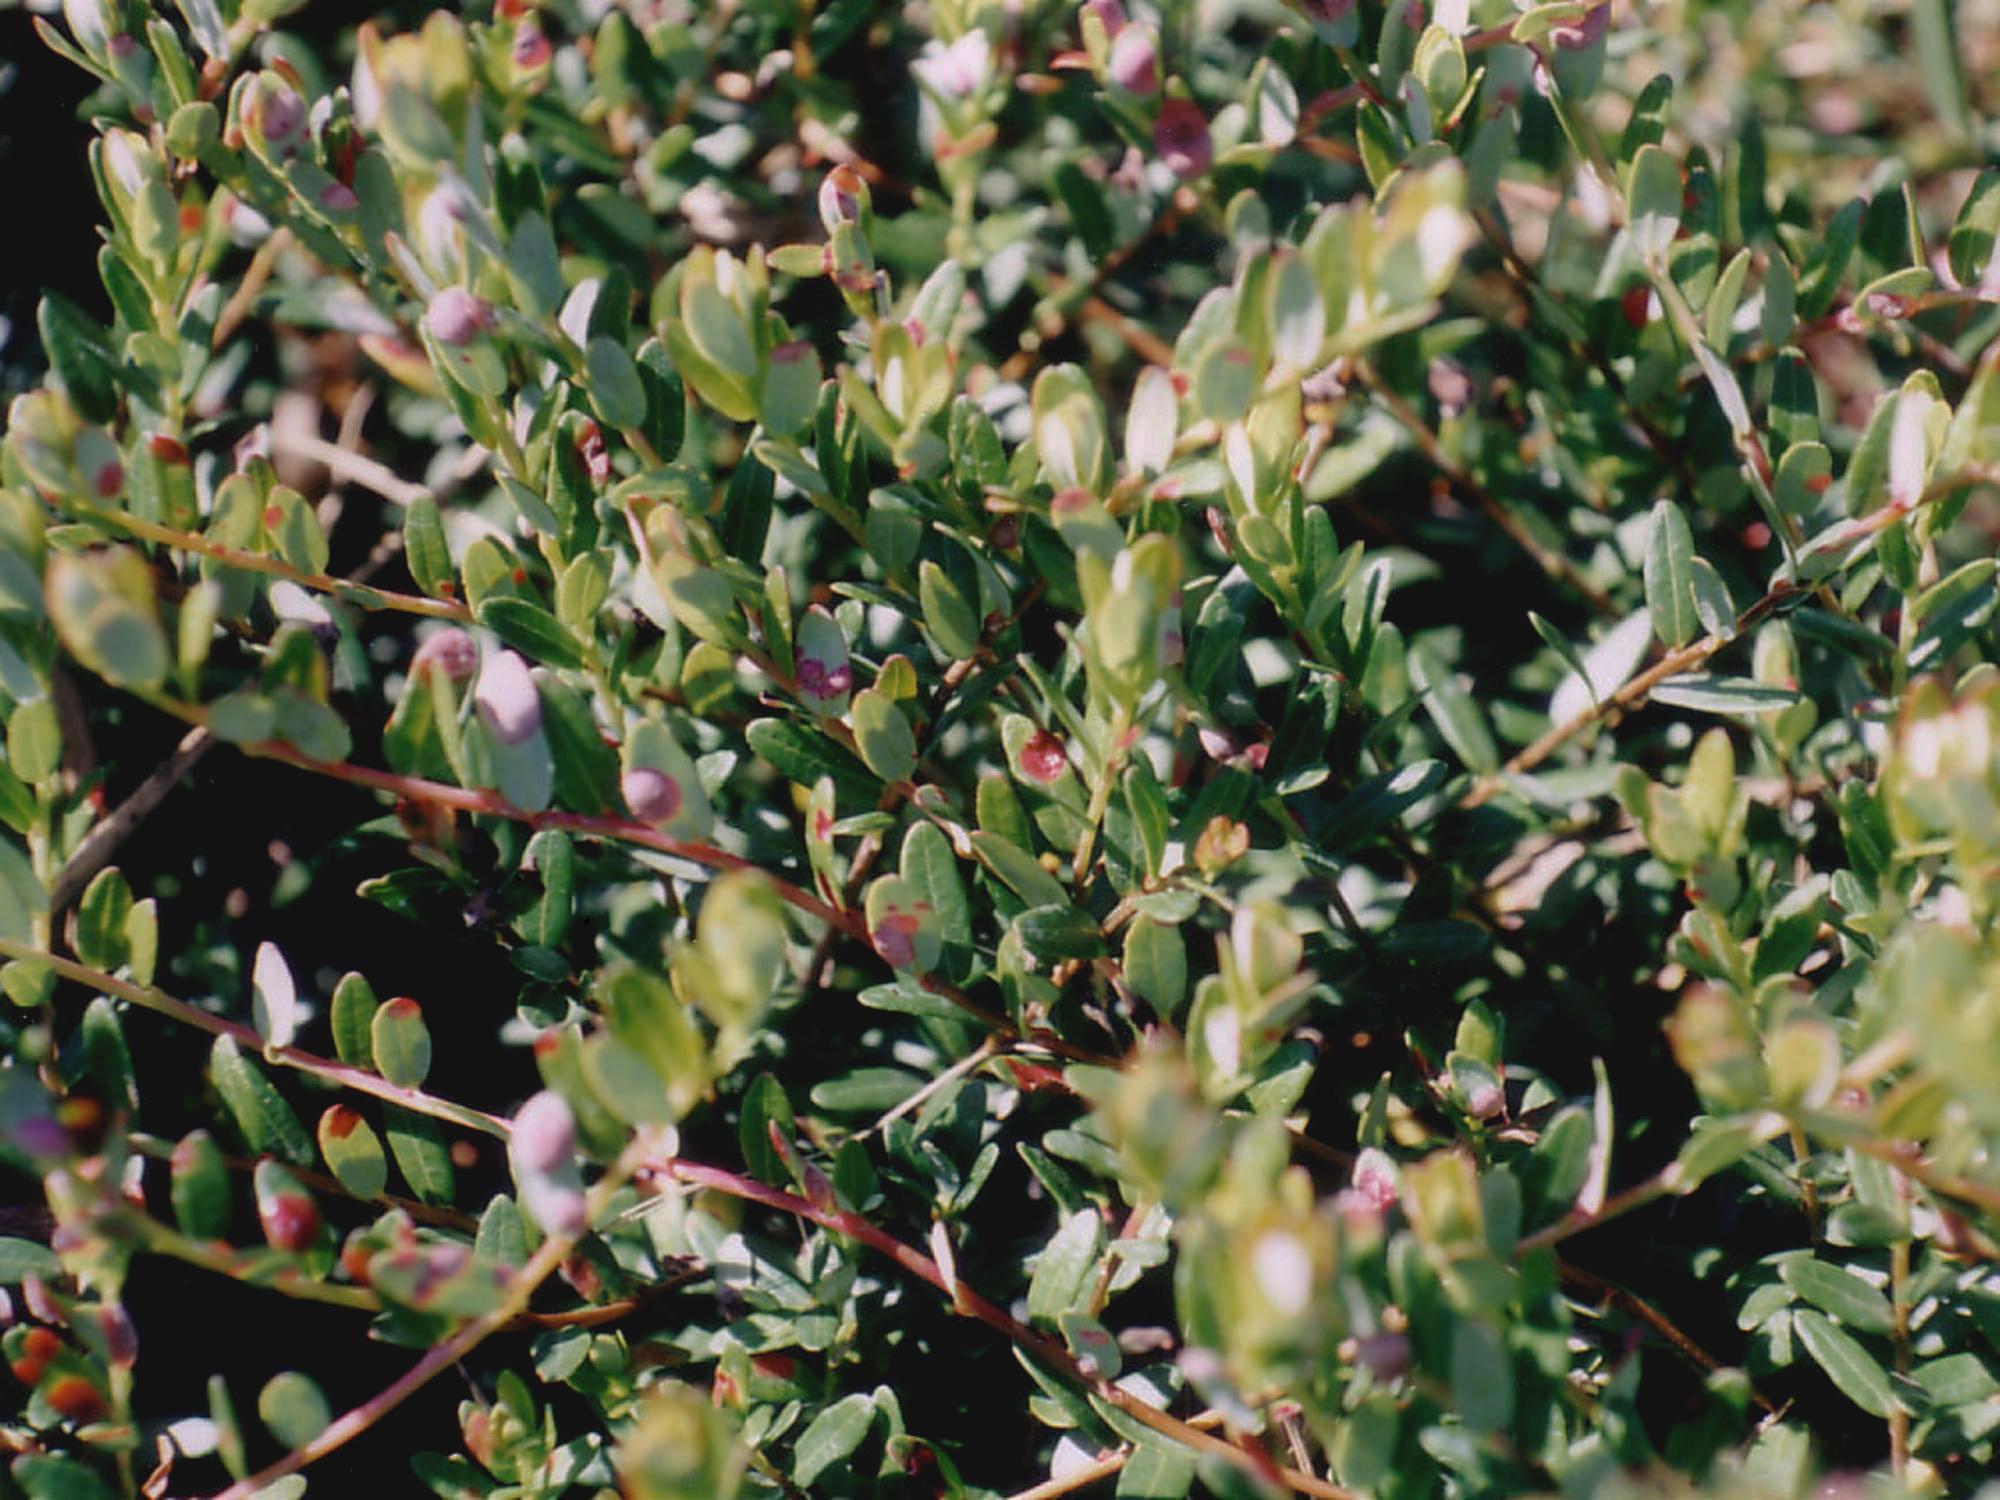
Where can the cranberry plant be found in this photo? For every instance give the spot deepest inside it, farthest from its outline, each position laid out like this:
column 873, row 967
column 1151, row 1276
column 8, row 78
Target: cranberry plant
column 1153, row 709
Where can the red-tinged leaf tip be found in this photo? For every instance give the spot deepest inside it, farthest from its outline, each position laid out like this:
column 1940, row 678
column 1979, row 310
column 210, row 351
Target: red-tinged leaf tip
column 76, row 1399
column 290, row 1221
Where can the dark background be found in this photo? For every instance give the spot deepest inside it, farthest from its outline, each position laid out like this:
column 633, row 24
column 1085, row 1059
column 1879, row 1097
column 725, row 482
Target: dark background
column 193, row 1324
column 236, row 813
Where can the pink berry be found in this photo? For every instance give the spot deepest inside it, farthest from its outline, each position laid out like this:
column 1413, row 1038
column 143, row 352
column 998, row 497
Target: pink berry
column 653, row 796
column 1586, row 31
column 451, row 649
column 1135, row 60
column 544, row 1132
column 531, row 51
column 456, row 317
column 1043, row 758
column 509, row 704
column 1180, row 135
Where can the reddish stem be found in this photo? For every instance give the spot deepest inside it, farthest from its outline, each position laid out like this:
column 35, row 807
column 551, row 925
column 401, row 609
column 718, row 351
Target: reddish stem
column 1043, row 1350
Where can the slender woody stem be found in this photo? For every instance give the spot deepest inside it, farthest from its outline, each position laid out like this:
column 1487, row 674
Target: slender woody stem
column 359, row 1079
column 1046, row 1352
column 486, row 803
column 351, row 1424
column 1688, row 658
column 360, row 594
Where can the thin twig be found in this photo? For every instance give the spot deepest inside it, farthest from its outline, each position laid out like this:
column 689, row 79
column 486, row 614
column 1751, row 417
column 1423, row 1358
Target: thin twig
column 1634, row 693
column 986, row 1050
column 362, row 595
column 1559, row 568
column 624, row 830
column 1044, row 1351
column 286, row 1280
column 358, row 1079
column 354, row 468
column 237, row 308
column 1653, row 1318
column 1019, row 363
column 1529, row 282
column 1078, row 1478
column 438, row 1215
column 351, row 1424
column 103, row 840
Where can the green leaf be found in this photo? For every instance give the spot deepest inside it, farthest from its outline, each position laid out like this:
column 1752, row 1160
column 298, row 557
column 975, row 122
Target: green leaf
column 1857, row 1373
column 1669, row 576
column 421, row 1153
column 1839, row 1292
column 102, row 917
column 262, row 1117
column 1482, row 1392
column 1458, row 718
column 34, row 740
column 929, row 864
column 1057, row 932
column 765, row 1105
column 401, row 1042
column 805, row 755
column 1089, row 212
column 615, row 388
column 353, row 1021
column 887, row 744
column 424, row 548
column 1708, row 693
column 1380, row 801
column 21, row 1258
column 1225, row 382
column 831, row 1437
column 951, row 620
column 1973, row 234
column 200, row 1187
column 50, row 1476
column 104, row 607
column 291, row 1406
column 80, row 355
column 1820, row 278
column 1064, row 1266
column 1155, row 964
column 532, row 631
column 353, row 1152
column 1653, row 196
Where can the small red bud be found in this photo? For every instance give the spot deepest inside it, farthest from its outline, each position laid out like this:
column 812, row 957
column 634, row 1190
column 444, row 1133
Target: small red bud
column 77, row 1400
column 531, row 51
column 354, row 1258
column 37, row 1350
